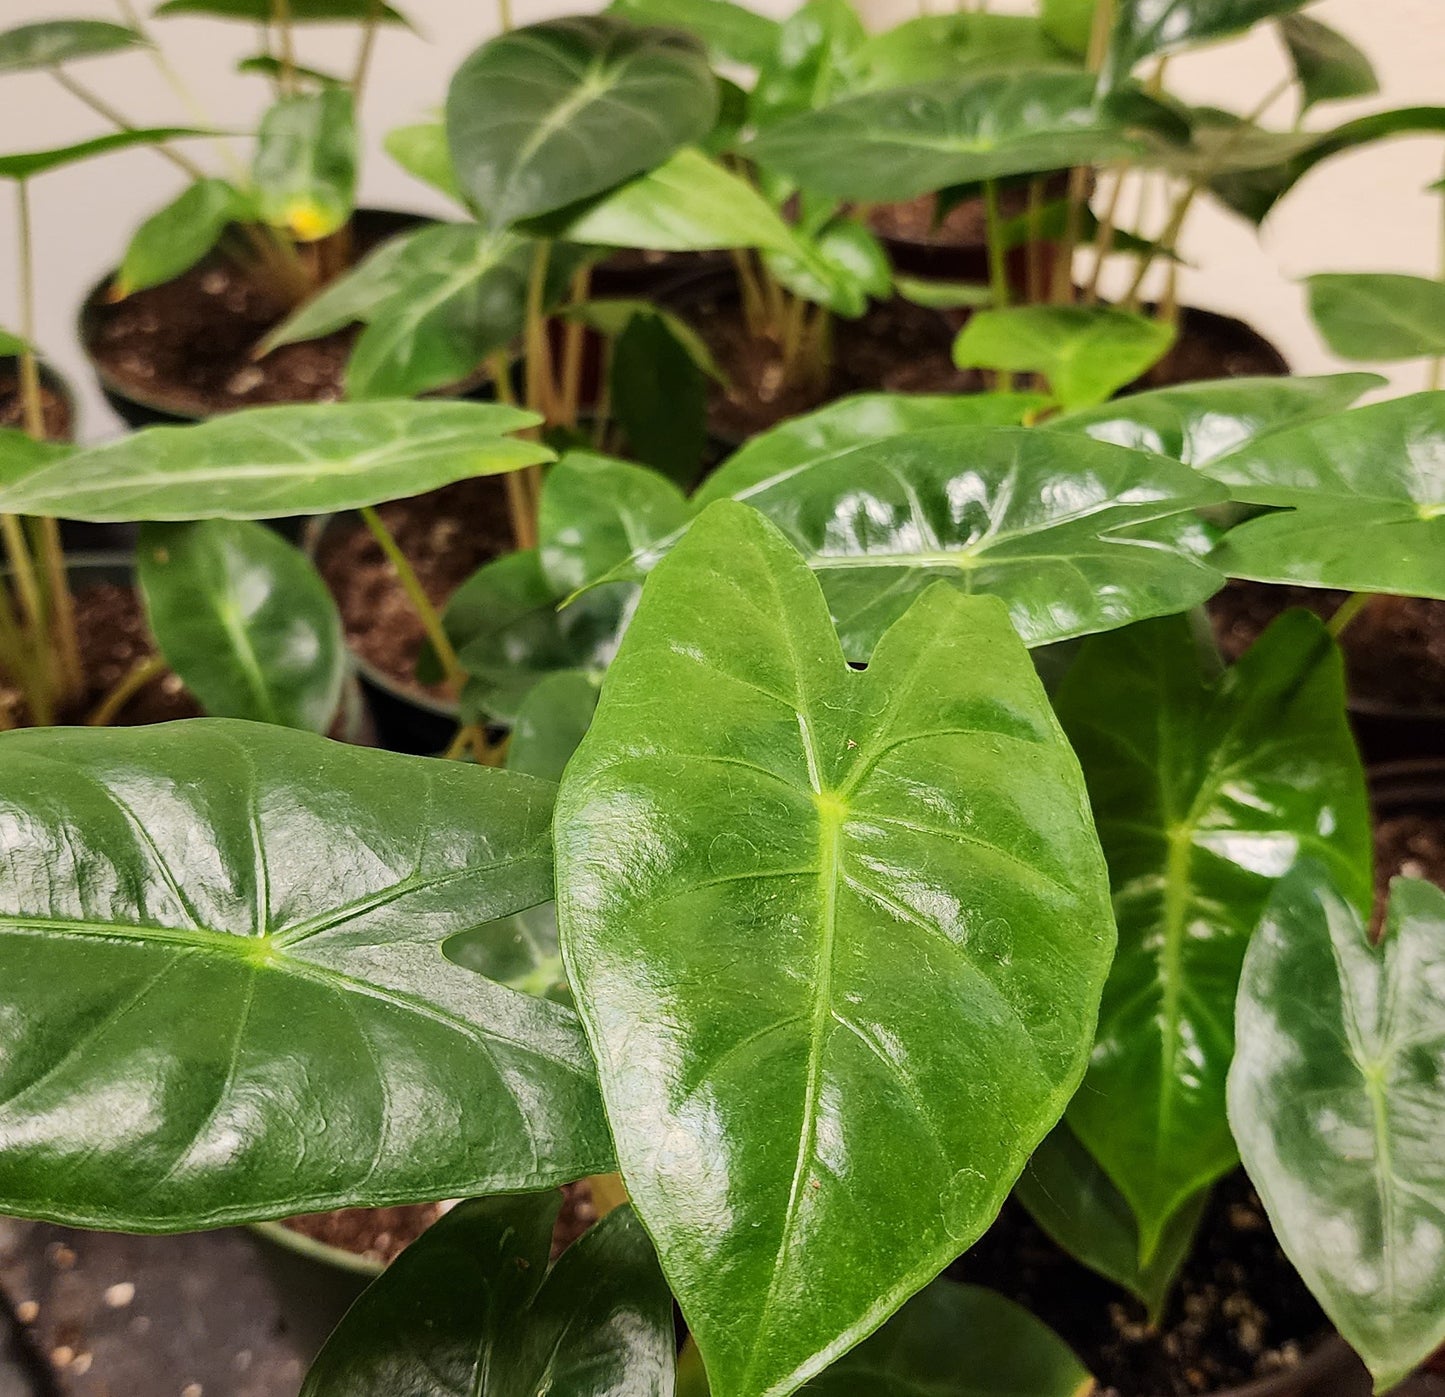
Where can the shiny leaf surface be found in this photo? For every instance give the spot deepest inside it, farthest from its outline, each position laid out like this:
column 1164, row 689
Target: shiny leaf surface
column 270, row 461
column 731, row 32
column 1207, row 790
column 220, row 970
column 472, row 1307
column 842, row 267
column 811, row 62
column 1365, row 492
column 836, row 937
column 552, row 113
column 245, row 620
column 176, row 237
column 948, row 45
column 54, row 42
column 550, row 723
column 306, row 163
column 1144, row 28
column 1379, row 315
column 1337, row 1099
column 1328, row 66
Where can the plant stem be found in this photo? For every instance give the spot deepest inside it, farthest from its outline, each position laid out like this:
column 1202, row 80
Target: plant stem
column 1437, row 364
column 1033, row 255
column 520, row 508
column 369, row 26
column 131, row 683
column 997, row 266
column 103, row 108
column 574, row 340
column 1104, row 239
column 427, row 614
column 504, row 15
column 464, row 742
column 1062, row 291
column 1350, row 608
column 539, row 385
column 281, row 18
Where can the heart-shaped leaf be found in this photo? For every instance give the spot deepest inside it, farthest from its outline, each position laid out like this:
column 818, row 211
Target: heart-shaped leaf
column 297, row 11
column 27, row 164
column 1365, row 492
column 53, row 42
column 1143, row 28
column 1328, row 67
column 553, row 113
column 810, row 64
column 1337, row 1099
column 841, row 896
column 245, row 620
column 221, row 968
column 948, row 45
column 472, row 1307
column 305, row 166
column 1379, row 315
column 731, row 32
column 312, row 459
column 1197, row 423
column 421, row 150
column 1207, row 790
column 908, row 141
column 174, row 239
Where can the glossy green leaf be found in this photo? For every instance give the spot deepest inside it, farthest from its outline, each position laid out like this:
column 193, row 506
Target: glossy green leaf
column 867, row 917
column 272, row 461
column 520, row 951
column 842, row 267
column 1328, row 67
column 1198, row 423
column 54, row 42
column 1337, row 1099
column 297, row 11
column 659, row 398
column 550, row 723
column 27, row 164
column 1068, row 23
column 1365, row 498
column 1207, row 790
column 731, row 32
column 811, row 62
column 472, row 1307
column 556, row 112
column 942, row 295
column 245, row 620
column 949, row 45
column 421, row 150
column 1076, row 1203
column 908, row 141
column 178, row 236
column 688, row 204
column 223, row 989
column 306, row 163
column 1146, row 28
column 1379, row 315
column 1087, row 353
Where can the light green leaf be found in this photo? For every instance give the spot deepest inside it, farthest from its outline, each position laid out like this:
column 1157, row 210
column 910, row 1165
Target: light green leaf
column 220, row 946
column 21, row 454
column 178, row 236
column 298, row 11
column 1365, row 495
column 306, row 161
column 421, row 150
column 550, row 723
column 1337, row 1099
column 842, row 895
column 1328, row 67
column 732, row 33
column 810, row 64
column 520, row 952
column 553, row 113
column 841, row 268
column 54, row 42
column 275, row 461
column 949, row 46
column 12, row 345
column 1379, row 315
column 27, row 164
column 245, row 620
column 1087, row 353
column 1207, row 790
column 473, row 1307
column 942, row 295
column 1145, row 28
column 1068, row 23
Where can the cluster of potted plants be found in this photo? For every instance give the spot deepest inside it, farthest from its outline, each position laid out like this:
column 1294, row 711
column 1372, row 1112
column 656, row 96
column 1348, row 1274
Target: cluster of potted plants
column 824, row 855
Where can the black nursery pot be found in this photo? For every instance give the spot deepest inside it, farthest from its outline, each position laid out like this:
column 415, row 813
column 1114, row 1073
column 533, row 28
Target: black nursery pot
column 315, row 1282
column 1391, row 733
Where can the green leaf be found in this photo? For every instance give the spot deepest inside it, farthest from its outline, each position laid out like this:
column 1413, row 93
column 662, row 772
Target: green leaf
column 949, row 46
column 688, row 204
column 841, row 268
column 1145, row 28
column 54, row 42
column 1207, row 790
column 907, row 141
column 305, row 165
column 1087, row 353
column 612, row 315
column 276, row 461
column 1068, row 23
column 27, row 164
column 1197, row 423
column 553, row 113
column 1379, row 315
column 245, row 620
column 868, row 914
column 421, row 150
column 1328, row 67
column 224, row 992
column 550, row 723
column 520, row 952
column 265, row 66
column 472, row 1307
column 178, row 236
column 732, row 33
column 942, row 295
column 659, row 398
column 1076, row 1203
column 298, row 11
column 1365, row 494
column 811, row 62
column 1337, row 1099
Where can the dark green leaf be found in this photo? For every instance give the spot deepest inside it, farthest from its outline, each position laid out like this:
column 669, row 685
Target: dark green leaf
column 949, row 45
column 1087, row 353
column 1365, row 492
column 1337, row 1099
column 550, row 723
column 1076, row 1203
column 810, row 63
column 1379, row 315
column 520, row 952
column 1144, row 28
column 1206, row 791
column 1328, row 66
column 53, row 42
column 907, row 141
column 868, row 917
column 264, row 65
column 659, row 398
column 221, row 977
column 175, row 239
column 472, row 1307
column 305, row 166
column 421, row 150
column 271, row 461
column 544, row 116
column 298, row 11
column 245, row 620
column 613, row 315
column 731, row 32
column 27, row 164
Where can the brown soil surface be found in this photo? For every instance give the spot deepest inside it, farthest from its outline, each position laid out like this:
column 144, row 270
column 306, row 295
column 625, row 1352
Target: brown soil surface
column 1239, row 1311
column 55, row 408
column 1213, row 346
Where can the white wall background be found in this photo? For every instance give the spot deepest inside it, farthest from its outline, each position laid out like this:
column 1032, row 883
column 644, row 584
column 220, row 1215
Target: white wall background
column 1364, row 211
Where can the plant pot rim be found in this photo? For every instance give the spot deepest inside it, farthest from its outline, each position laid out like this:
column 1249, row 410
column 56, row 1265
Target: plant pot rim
column 1331, row 1355
column 290, row 1240
column 1407, row 780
